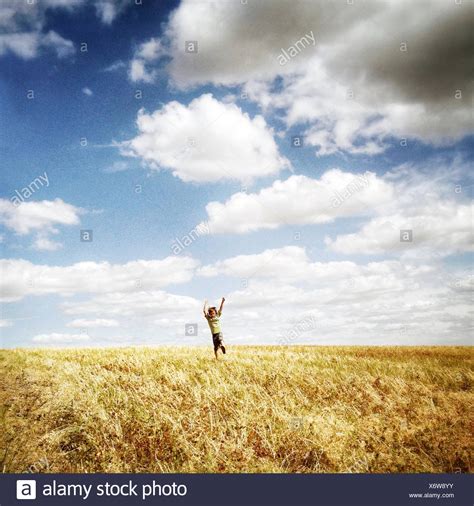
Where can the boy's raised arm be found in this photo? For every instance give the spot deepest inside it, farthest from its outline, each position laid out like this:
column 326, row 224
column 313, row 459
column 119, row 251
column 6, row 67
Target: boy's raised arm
column 222, row 305
column 204, row 309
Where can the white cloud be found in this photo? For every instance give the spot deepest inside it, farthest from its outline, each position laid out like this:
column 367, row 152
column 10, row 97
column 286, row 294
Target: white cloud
column 359, row 87
column 87, row 91
column 343, row 115
column 46, row 244
column 5, row 323
column 300, row 200
column 427, row 204
column 331, row 118
column 57, row 338
column 286, row 261
column 418, row 198
column 21, row 277
column 40, row 217
column 444, row 227
column 290, row 299
column 291, row 264
column 98, row 322
column 206, row 141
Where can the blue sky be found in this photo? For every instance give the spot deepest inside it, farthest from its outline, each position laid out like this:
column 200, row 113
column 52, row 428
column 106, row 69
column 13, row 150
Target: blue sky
column 141, row 142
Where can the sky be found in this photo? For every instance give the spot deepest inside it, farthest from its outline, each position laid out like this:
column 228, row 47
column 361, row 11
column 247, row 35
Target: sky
column 309, row 161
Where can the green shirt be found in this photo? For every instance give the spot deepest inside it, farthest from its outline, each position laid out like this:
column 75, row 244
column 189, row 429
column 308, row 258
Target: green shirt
column 214, row 323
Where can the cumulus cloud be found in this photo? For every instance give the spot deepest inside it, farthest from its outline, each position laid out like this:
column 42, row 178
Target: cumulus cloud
column 46, row 244
column 31, row 216
column 419, row 198
column 445, row 227
column 360, row 118
column 300, row 200
column 206, row 141
column 440, row 220
column 291, row 264
column 286, row 261
column 288, row 298
column 21, row 277
column 378, row 70
column 40, row 217
column 5, row 323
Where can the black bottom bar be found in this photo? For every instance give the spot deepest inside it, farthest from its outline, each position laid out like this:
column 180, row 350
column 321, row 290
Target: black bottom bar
column 238, row 490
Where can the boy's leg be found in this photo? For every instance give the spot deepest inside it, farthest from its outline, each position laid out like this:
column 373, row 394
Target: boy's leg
column 221, row 343
column 215, row 342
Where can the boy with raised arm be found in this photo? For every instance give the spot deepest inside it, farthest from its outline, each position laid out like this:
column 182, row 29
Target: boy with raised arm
column 212, row 316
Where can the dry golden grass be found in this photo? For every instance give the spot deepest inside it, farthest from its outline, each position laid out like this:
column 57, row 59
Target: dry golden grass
column 262, row 409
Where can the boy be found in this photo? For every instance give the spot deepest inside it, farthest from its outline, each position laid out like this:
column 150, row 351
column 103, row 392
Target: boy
column 212, row 317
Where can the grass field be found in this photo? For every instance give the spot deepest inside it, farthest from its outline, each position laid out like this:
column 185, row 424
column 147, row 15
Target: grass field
column 262, row 409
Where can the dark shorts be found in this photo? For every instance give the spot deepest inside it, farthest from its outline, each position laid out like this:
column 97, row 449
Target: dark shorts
column 218, row 340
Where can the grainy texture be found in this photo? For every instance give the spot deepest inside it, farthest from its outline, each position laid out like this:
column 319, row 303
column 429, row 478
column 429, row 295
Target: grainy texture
column 261, row 409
